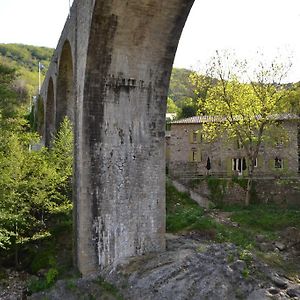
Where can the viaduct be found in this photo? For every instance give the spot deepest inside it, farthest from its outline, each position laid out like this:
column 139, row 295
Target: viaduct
column 110, row 75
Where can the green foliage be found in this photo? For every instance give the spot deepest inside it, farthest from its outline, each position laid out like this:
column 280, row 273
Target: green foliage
column 180, row 85
column 242, row 182
column 186, row 90
column 171, row 106
column 182, row 212
column 43, row 259
column 51, row 276
column 267, row 218
column 246, row 273
column 188, row 108
column 293, row 97
column 24, row 60
column 202, row 85
column 71, row 284
column 8, row 103
column 217, row 188
column 246, row 256
column 246, row 105
column 37, row 285
column 35, row 186
column 109, row 288
column 41, row 284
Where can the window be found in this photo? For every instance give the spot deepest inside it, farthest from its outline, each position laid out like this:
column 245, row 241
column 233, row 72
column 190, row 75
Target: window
column 239, row 165
column 279, row 144
column 195, row 137
column 194, row 155
column 278, row 163
column 208, row 164
column 255, row 163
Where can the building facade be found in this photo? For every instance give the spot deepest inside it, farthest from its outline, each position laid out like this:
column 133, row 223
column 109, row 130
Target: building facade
column 189, row 155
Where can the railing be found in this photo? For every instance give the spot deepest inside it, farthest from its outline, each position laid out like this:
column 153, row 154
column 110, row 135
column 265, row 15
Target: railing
column 191, row 175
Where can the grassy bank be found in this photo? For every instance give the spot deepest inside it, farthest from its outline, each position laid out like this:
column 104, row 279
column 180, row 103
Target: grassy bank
column 184, row 215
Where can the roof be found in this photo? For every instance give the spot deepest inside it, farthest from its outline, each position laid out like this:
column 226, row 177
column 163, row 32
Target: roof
column 208, row 119
column 198, row 120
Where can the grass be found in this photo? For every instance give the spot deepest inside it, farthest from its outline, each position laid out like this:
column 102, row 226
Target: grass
column 184, row 215
column 267, row 218
column 109, row 288
column 182, row 212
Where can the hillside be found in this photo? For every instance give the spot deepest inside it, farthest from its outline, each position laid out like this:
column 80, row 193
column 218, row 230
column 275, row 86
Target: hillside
column 25, row 60
column 180, row 85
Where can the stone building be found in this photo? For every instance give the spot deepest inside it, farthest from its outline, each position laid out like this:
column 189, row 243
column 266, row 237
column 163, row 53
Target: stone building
column 190, row 156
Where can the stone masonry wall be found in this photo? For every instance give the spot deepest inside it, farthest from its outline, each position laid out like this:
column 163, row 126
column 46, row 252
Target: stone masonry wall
column 183, row 143
column 122, row 54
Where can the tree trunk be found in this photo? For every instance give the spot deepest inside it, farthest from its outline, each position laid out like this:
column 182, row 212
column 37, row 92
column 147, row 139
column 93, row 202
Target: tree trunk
column 16, row 256
column 248, row 190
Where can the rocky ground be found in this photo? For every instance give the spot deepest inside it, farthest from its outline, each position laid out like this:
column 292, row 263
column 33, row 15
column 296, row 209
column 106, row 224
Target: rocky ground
column 192, row 268
column 14, row 285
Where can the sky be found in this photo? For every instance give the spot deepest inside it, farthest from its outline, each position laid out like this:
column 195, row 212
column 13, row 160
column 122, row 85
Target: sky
column 245, row 26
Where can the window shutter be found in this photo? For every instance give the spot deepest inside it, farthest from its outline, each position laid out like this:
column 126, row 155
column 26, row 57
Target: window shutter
column 229, row 166
column 272, row 164
column 260, row 162
column 199, row 136
column 199, row 154
column 191, row 136
column 190, row 156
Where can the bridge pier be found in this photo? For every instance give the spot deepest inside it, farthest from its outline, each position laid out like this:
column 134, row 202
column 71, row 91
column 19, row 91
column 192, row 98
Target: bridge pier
column 124, row 54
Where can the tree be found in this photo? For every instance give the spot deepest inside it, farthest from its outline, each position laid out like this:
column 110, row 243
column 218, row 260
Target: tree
column 180, row 85
column 171, row 106
column 188, row 108
column 7, row 92
column 245, row 103
column 293, row 97
column 35, row 186
column 202, row 85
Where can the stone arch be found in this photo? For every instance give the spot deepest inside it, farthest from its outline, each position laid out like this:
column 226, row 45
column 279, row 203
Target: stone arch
column 50, row 114
column 65, row 86
column 121, row 202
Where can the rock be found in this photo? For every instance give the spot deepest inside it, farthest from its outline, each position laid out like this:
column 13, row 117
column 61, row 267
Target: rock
column 189, row 269
column 279, row 282
column 265, row 247
column 260, row 238
column 259, row 294
column 280, row 246
column 238, row 265
column 294, row 292
column 273, row 291
column 291, row 236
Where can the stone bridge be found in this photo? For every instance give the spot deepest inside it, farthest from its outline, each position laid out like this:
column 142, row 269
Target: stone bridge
column 110, row 74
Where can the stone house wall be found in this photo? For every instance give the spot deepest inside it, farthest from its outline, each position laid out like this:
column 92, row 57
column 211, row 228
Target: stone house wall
column 188, row 153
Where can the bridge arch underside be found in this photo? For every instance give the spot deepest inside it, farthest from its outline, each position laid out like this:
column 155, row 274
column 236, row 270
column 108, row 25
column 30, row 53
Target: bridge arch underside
column 121, row 202
column 65, row 89
column 50, row 114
